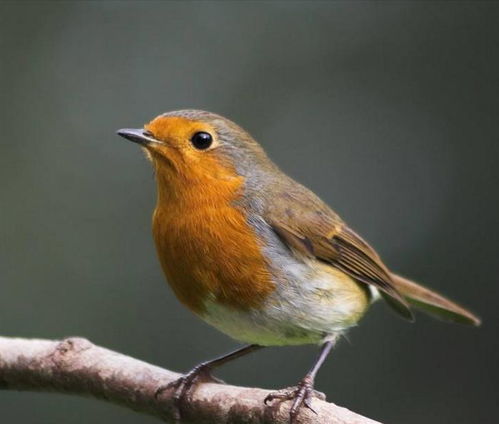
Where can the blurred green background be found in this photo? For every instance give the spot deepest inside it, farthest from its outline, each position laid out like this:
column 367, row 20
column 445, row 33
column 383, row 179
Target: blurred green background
column 388, row 110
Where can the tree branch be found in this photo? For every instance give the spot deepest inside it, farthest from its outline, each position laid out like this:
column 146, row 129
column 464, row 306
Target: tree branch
column 76, row 366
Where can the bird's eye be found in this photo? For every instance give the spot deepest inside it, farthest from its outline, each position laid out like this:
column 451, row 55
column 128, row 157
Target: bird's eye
column 201, row 140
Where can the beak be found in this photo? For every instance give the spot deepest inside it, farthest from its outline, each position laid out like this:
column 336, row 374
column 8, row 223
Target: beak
column 138, row 135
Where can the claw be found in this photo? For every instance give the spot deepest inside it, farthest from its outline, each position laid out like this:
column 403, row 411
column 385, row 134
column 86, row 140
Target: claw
column 285, row 394
column 301, row 395
column 308, row 404
column 163, row 388
column 184, row 387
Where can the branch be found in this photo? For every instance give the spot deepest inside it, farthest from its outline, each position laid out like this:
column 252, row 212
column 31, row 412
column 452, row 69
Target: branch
column 76, row 366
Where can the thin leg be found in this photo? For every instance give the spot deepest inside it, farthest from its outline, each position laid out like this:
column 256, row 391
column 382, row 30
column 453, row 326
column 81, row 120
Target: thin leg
column 200, row 373
column 215, row 363
column 325, row 350
column 304, row 391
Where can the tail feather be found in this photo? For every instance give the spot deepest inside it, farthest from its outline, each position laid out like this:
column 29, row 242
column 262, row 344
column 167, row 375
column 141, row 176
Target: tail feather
column 433, row 303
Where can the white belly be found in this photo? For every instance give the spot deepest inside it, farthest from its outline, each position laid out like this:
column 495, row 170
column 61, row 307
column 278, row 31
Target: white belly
column 312, row 302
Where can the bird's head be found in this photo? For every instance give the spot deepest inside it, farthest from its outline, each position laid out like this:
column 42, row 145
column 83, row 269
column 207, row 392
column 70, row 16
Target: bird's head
column 194, row 145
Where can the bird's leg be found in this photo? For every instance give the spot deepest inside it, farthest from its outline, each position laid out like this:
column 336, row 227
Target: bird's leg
column 200, row 373
column 304, row 391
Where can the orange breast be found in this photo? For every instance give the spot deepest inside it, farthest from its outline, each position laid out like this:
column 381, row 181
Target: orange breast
column 205, row 246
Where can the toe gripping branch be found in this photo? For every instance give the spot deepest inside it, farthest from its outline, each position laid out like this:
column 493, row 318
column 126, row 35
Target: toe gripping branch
column 185, row 385
column 304, row 392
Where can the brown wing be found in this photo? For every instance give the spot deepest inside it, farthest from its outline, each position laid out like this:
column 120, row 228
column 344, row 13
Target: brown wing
column 308, row 225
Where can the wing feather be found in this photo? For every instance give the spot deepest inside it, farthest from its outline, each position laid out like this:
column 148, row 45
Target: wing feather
column 316, row 231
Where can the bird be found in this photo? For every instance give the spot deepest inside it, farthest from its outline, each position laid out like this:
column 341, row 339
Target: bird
column 259, row 256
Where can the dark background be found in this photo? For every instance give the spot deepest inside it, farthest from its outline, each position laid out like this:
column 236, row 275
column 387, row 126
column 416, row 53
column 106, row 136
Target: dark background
column 389, row 111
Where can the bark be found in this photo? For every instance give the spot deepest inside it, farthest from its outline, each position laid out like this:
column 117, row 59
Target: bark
column 76, row 366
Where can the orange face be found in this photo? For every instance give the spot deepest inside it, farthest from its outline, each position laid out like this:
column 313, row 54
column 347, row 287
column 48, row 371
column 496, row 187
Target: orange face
column 177, row 132
column 185, row 146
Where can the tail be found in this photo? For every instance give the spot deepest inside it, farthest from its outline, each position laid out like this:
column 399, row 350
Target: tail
column 433, row 303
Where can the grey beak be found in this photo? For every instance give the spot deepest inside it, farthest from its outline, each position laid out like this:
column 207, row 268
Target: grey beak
column 137, row 135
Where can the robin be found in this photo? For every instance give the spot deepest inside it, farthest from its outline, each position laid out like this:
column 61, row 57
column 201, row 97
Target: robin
column 257, row 255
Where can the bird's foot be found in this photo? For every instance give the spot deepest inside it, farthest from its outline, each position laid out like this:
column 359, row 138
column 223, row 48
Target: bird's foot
column 301, row 395
column 184, row 386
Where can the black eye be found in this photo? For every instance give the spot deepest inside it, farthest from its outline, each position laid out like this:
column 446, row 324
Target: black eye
column 201, row 140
